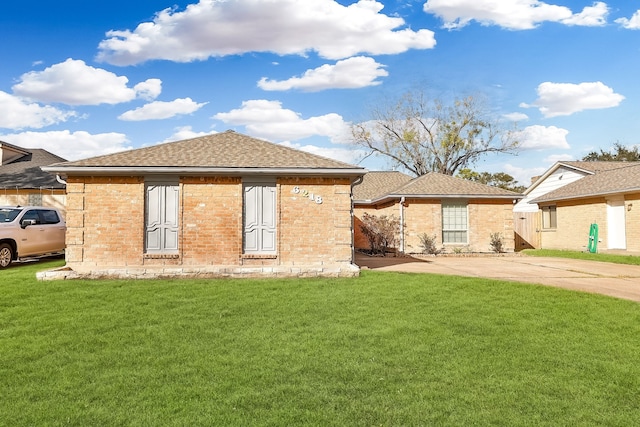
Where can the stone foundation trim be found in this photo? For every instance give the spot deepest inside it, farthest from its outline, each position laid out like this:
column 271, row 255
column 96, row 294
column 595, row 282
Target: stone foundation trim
column 206, row 272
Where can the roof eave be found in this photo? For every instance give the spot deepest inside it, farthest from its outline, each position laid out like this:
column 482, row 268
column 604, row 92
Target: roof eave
column 196, row 171
column 458, row 196
column 586, row 195
column 437, row 196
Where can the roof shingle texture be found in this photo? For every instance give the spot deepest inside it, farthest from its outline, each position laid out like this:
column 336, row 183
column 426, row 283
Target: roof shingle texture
column 438, row 184
column 598, row 166
column 25, row 172
column 221, row 150
column 377, row 184
column 617, row 180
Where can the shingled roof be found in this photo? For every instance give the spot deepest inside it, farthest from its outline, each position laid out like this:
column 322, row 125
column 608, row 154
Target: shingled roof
column 439, row 185
column 598, row 166
column 430, row 185
column 24, row 172
column 225, row 152
column 377, row 184
column 614, row 181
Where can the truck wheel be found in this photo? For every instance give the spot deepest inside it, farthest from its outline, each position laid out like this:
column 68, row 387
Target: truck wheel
column 6, row 255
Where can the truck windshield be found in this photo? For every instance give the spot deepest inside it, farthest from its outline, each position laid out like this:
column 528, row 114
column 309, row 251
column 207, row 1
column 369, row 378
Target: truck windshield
column 9, row 214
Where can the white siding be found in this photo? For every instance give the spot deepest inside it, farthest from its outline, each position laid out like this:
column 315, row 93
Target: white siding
column 559, row 178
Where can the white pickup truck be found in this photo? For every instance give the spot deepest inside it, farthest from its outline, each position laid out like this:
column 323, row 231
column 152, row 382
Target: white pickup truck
column 30, row 231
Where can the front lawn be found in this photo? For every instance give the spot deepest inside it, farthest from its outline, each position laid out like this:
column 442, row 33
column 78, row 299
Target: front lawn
column 388, row 349
column 602, row 257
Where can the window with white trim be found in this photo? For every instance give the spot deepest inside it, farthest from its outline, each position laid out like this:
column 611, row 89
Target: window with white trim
column 454, row 222
column 549, row 217
column 161, row 217
column 259, row 217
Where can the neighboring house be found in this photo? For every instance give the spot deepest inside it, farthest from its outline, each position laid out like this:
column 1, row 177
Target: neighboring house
column 23, row 183
column 609, row 197
column 220, row 205
column 535, row 222
column 461, row 214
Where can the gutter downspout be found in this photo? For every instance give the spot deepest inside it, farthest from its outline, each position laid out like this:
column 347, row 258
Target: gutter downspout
column 60, row 180
column 355, row 182
column 402, row 224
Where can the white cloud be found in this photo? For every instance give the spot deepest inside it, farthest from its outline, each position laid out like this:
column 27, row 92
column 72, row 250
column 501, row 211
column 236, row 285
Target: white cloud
column 591, row 16
column 185, row 132
column 268, row 120
column 149, row 89
column 564, row 99
column 522, row 175
column 630, row 24
column 558, row 158
column 513, row 14
column 352, row 73
column 158, row 110
column 15, row 113
column 73, row 82
column 341, row 154
column 70, row 145
column 516, row 117
column 285, row 27
column 538, row 137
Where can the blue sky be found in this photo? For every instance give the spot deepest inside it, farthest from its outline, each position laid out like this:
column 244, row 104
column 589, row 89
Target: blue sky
column 82, row 78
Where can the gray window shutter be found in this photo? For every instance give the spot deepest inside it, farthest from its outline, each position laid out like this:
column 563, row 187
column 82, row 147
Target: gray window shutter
column 162, row 218
column 259, row 218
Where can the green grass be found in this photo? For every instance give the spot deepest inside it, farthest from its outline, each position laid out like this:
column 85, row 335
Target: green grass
column 602, row 257
column 386, row 349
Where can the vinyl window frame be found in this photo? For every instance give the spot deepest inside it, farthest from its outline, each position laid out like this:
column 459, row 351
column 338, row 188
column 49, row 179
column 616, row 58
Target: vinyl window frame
column 455, row 222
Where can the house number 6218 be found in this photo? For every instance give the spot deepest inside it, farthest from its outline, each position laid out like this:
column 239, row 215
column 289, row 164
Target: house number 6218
column 307, row 194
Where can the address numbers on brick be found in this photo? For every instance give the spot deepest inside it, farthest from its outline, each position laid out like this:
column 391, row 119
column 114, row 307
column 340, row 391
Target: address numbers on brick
column 309, row 195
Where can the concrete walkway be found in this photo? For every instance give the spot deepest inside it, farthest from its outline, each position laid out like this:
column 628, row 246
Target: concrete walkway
column 616, row 280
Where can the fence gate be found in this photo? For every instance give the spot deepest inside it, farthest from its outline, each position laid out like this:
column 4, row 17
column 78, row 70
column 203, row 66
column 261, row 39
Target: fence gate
column 527, row 230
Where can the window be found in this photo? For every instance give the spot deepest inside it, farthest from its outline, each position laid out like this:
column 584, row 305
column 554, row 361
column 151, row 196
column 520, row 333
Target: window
column 549, row 217
column 259, row 218
column 161, row 218
column 454, row 222
column 49, row 217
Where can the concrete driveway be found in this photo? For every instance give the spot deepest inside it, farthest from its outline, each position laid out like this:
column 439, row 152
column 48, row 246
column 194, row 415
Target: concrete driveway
column 616, row 280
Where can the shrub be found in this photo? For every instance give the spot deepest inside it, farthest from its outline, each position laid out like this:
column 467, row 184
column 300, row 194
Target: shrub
column 496, row 242
column 428, row 244
column 382, row 232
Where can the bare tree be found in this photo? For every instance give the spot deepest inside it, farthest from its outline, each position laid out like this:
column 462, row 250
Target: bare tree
column 423, row 135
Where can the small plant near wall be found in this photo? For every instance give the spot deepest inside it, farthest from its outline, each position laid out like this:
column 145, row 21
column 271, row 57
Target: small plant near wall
column 461, row 250
column 382, row 232
column 428, row 244
column 496, row 242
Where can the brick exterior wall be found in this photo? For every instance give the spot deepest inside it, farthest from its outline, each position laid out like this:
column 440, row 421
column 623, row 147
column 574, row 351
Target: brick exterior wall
column 310, row 232
column 575, row 218
column 106, row 217
column 425, row 216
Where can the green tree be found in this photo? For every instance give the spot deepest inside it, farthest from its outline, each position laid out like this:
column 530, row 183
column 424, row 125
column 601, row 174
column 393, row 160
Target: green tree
column 425, row 135
column 618, row 153
column 498, row 179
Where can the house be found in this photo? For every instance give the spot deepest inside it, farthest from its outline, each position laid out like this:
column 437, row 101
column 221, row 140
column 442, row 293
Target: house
column 608, row 197
column 461, row 214
column 22, row 182
column 224, row 204
column 535, row 222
